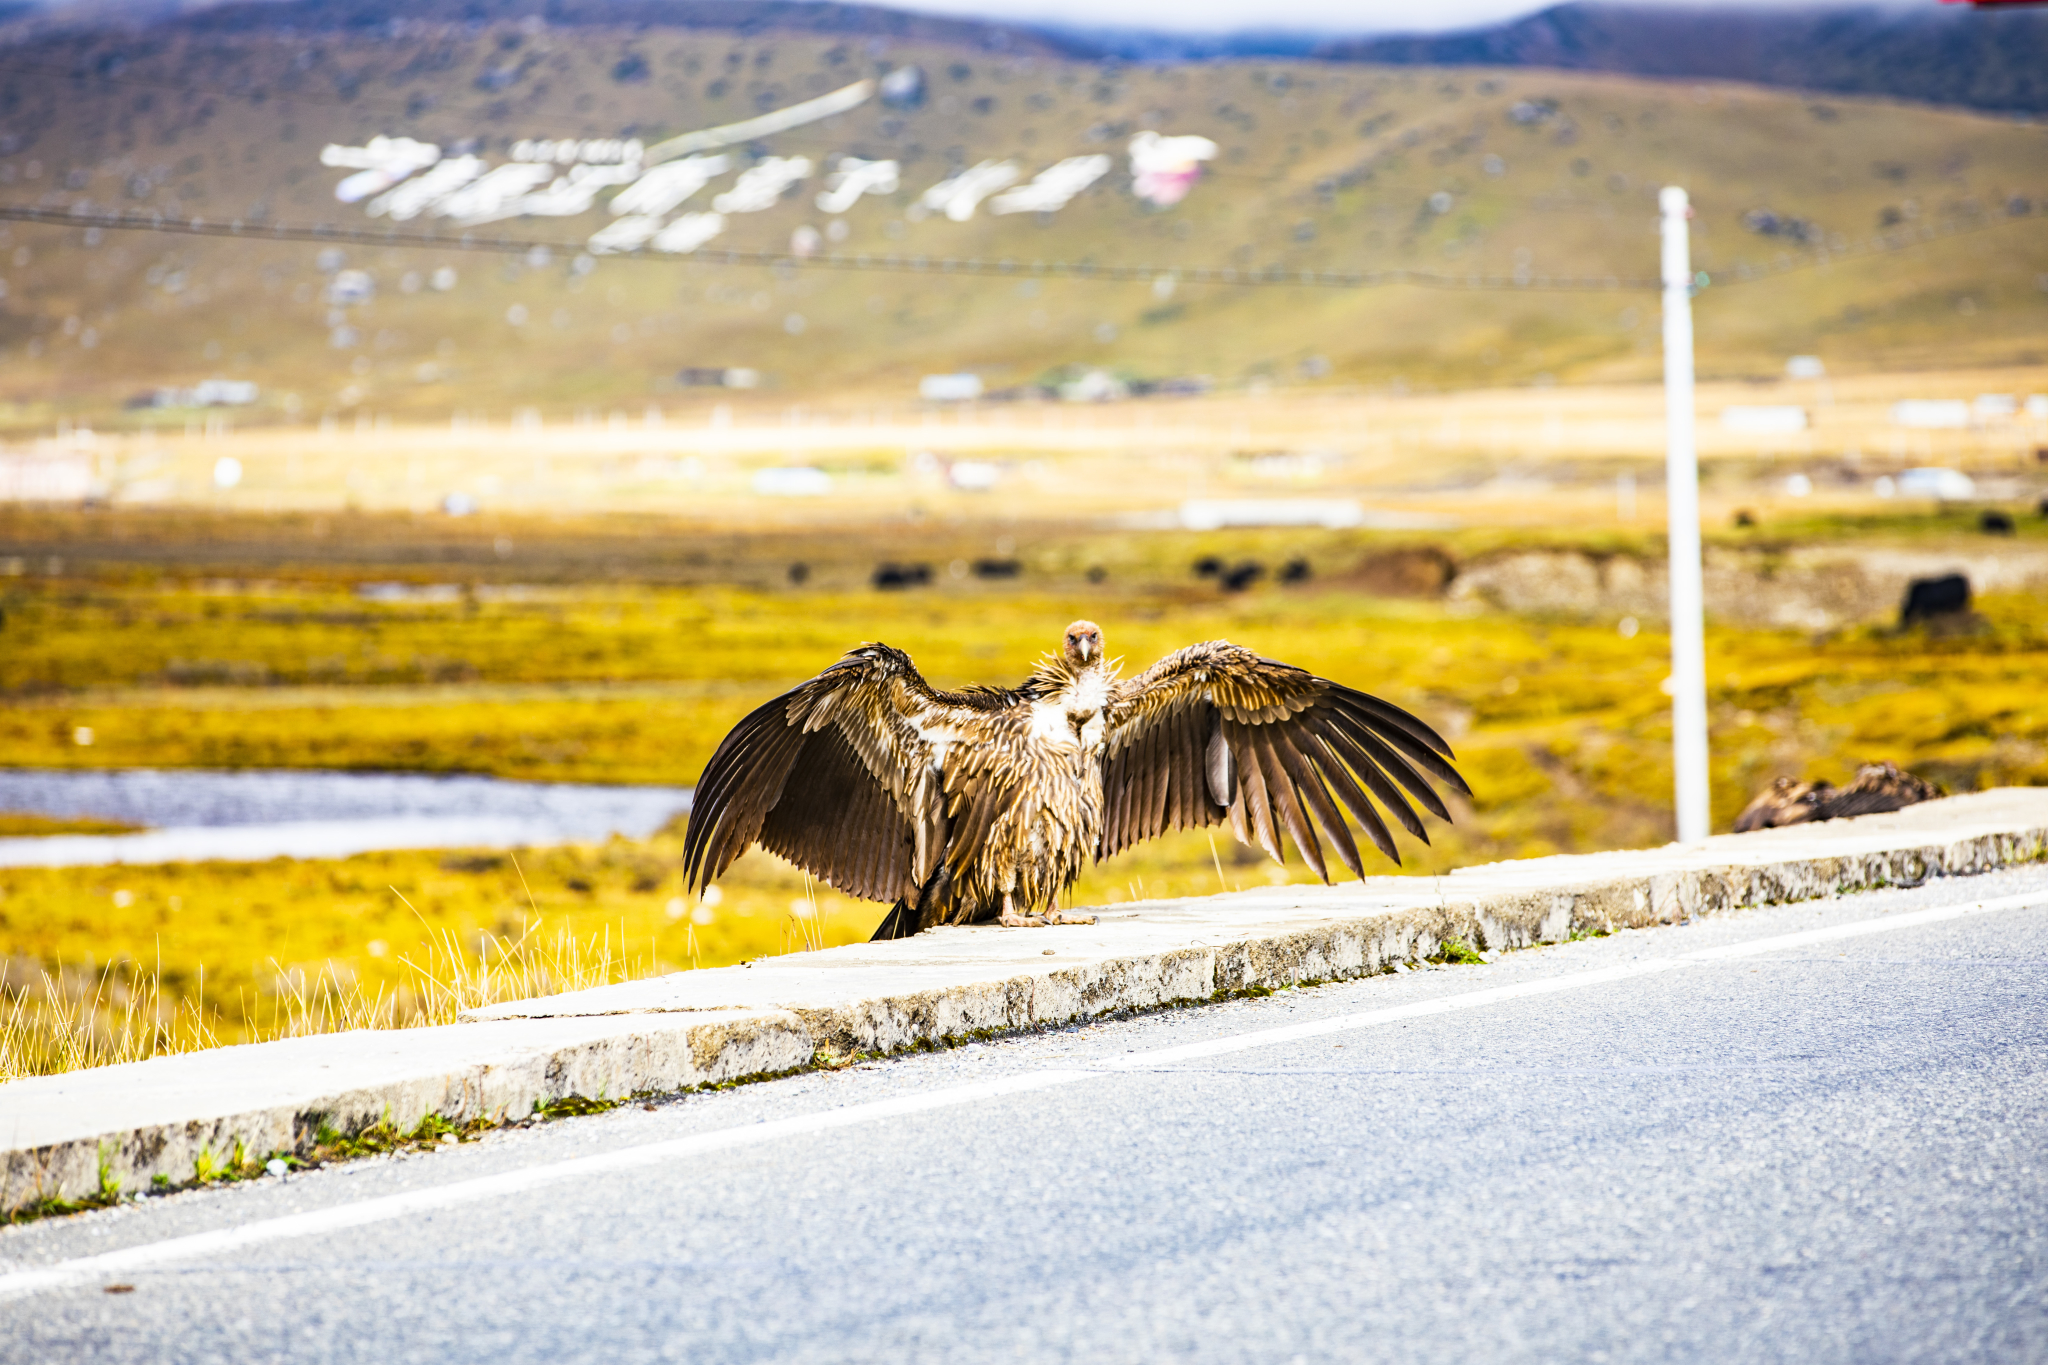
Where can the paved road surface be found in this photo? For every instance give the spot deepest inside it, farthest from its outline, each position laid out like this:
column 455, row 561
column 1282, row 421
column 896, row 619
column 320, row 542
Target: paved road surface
column 1658, row 1146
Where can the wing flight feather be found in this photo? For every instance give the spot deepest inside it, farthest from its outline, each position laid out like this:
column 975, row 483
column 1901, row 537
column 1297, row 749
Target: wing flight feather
column 1216, row 733
column 831, row 776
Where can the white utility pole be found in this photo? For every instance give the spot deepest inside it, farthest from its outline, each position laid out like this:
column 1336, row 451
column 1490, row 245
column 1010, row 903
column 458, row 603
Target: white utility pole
column 1682, row 476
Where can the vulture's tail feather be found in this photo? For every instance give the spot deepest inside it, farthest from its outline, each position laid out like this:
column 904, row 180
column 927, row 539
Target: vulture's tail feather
column 898, row 923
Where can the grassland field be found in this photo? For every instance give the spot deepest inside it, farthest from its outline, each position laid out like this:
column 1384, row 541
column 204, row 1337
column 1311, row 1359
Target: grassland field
column 269, row 655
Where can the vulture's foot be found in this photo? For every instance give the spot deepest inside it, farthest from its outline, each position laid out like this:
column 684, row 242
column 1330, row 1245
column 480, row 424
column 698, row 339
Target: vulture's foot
column 1010, row 919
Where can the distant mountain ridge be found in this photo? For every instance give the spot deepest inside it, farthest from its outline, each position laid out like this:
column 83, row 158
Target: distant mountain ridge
column 748, row 17
column 1979, row 59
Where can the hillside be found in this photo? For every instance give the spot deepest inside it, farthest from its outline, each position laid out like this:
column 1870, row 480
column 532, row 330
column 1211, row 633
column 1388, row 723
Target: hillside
column 1979, row 58
column 1519, row 174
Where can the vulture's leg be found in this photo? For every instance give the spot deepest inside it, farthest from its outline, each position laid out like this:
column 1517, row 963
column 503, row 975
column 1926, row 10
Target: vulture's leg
column 1010, row 919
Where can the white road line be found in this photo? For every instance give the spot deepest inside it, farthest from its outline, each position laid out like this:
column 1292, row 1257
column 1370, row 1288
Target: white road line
column 1466, row 1000
column 320, row 1222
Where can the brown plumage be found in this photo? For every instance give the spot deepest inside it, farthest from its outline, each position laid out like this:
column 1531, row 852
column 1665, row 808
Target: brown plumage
column 984, row 804
column 1877, row 787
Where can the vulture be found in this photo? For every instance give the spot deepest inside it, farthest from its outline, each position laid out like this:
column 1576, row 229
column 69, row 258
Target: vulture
column 983, row 805
column 1877, row 787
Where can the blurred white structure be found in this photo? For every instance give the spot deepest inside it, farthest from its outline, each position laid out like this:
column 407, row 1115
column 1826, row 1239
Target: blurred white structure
column 379, row 164
column 854, row 178
column 569, row 151
column 64, row 477
column 1164, row 169
column 627, row 234
column 688, row 232
column 1948, row 485
column 227, row 472
column 662, row 188
column 1805, row 367
column 801, row 481
column 1050, row 190
column 761, row 185
column 567, row 195
column 904, row 88
column 484, row 199
column 1764, row 421
column 1931, row 413
column 1094, row 386
column 208, row 393
column 958, row 196
column 974, row 476
column 949, row 388
column 422, row 192
column 1213, row 514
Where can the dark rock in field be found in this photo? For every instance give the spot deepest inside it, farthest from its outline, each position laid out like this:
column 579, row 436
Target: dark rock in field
column 997, row 568
column 1209, row 566
column 799, row 573
column 1927, row 598
column 1096, row 573
column 1243, row 576
column 889, row 577
column 1993, row 522
column 1745, row 517
column 1294, row 571
column 1413, row 571
column 1766, row 223
column 2043, row 508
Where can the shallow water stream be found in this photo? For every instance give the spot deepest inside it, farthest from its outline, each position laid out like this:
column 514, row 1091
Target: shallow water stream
column 313, row 814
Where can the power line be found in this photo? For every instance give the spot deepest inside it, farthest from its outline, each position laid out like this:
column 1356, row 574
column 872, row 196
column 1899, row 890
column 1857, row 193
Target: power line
column 1006, row 267
column 1736, row 273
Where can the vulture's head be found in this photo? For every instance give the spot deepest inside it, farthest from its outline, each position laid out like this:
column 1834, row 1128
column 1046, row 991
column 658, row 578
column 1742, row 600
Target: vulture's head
column 1084, row 644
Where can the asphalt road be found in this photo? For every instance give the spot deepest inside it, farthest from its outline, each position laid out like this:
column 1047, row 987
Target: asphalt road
column 1832, row 1150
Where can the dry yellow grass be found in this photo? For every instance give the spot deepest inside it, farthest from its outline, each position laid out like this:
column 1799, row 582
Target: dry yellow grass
column 1559, row 726
column 119, row 964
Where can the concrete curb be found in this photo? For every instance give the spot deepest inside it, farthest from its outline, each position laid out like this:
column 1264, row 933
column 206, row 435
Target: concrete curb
column 163, row 1117
column 691, row 1029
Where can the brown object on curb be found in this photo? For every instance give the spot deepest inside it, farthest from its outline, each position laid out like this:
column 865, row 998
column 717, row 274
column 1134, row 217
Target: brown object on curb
column 1877, row 787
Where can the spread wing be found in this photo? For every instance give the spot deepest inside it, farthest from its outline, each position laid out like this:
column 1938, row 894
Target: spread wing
column 1215, row 732
column 840, row 776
